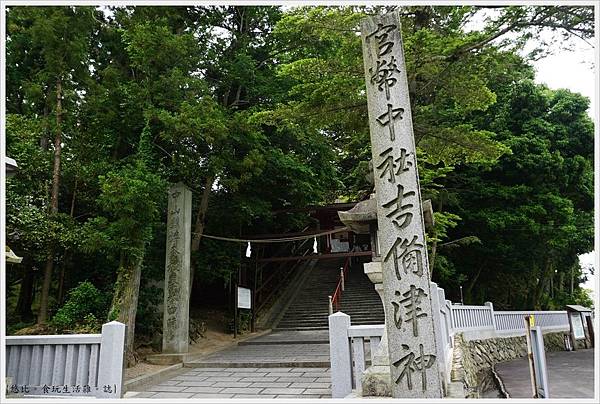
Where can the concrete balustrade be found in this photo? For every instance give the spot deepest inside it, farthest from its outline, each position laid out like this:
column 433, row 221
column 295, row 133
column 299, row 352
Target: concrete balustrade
column 512, row 321
column 347, row 346
column 67, row 365
column 350, row 343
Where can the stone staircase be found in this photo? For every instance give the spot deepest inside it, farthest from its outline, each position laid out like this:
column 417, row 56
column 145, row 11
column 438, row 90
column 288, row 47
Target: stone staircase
column 360, row 300
column 309, row 309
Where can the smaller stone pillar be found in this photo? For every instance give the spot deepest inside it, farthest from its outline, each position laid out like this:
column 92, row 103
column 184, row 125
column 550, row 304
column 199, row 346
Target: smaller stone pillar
column 177, row 271
column 376, row 380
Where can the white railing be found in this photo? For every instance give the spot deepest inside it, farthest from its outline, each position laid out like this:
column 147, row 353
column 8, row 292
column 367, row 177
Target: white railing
column 512, row 321
column 67, row 365
column 469, row 317
column 442, row 318
column 351, row 344
column 348, row 345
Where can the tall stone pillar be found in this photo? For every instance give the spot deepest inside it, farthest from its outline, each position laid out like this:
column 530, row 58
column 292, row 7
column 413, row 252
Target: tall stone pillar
column 401, row 229
column 177, row 271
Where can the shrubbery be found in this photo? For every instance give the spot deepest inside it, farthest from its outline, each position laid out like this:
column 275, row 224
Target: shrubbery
column 84, row 311
column 244, row 322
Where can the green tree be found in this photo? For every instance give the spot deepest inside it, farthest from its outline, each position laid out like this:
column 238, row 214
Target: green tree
column 263, row 108
column 532, row 210
column 130, row 203
column 57, row 39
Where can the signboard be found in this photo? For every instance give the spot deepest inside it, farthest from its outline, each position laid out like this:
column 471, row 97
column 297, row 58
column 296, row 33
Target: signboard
column 578, row 332
column 244, row 298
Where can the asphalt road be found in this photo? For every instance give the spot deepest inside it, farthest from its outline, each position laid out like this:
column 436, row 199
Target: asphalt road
column 570, row 375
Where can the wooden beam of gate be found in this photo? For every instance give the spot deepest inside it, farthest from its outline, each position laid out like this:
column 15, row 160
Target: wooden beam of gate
column 318, row 257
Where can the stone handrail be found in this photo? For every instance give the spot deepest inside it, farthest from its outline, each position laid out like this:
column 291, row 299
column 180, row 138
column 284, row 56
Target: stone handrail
column 67, row 365
column 349, row 343
column 469, row 317
column 510, row 321
column 347, row 346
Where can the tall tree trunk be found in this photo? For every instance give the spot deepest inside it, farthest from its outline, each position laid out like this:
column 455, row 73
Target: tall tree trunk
column 572, row 280
column 26, row 296
column 44, row 138
column 125, row 300
column 61, row 283
column 68, row 253
column 43, row 313
column 468, row 297
column 200, row 222
column 541, row 284
column 561, row 280
column 434, row 244
column 72, row 210
column 533, row 283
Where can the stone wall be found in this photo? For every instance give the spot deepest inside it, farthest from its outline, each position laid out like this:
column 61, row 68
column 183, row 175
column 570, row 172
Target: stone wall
column 473, row 360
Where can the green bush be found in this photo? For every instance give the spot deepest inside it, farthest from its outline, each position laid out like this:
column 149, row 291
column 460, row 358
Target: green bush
column 244, row 322
column 148, row 320
column 84, row 310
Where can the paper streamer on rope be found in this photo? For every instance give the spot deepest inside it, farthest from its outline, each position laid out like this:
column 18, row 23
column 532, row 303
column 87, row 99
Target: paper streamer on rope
column 315, row 250
column 248, row 250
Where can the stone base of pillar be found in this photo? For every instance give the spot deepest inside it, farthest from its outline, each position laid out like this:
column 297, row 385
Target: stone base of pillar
column 377, row 382
column 167, row 359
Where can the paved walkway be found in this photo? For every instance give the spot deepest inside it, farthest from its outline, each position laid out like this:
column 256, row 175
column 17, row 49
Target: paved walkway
column 287, row 364
column 244, row 383
column 570, row 375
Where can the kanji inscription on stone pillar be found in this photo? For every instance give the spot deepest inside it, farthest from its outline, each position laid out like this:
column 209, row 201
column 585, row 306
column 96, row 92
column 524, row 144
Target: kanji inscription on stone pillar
column 177, row 270
column 401, row 232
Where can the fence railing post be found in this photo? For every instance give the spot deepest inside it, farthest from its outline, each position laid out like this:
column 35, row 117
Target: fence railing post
column 339, row 354
column 437, row 326
column 491, row 306
column 330, row 306
column 449, row 312
column 342, row 279
column 111, row 362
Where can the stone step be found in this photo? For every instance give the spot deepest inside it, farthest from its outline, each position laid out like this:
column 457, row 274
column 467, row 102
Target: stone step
column 258, row 364
column 361, row 306
column 296, row 328
column 310, row 308
column 350, row 312
column 325, row 318
column 304, row 342
column 325, row 321
column 361, row 302
column 307, row 316
column 347, row 310
column 308, row 321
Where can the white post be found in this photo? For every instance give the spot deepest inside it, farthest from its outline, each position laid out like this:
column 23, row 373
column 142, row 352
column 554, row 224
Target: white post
column 330, row 306
column 339, row 354
column 358, row 355
column 111, row 362
column 450, row 321
column 539, row 357
column 491, row 307
column 437, row 328
column 342, row 278
column 527, row 321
